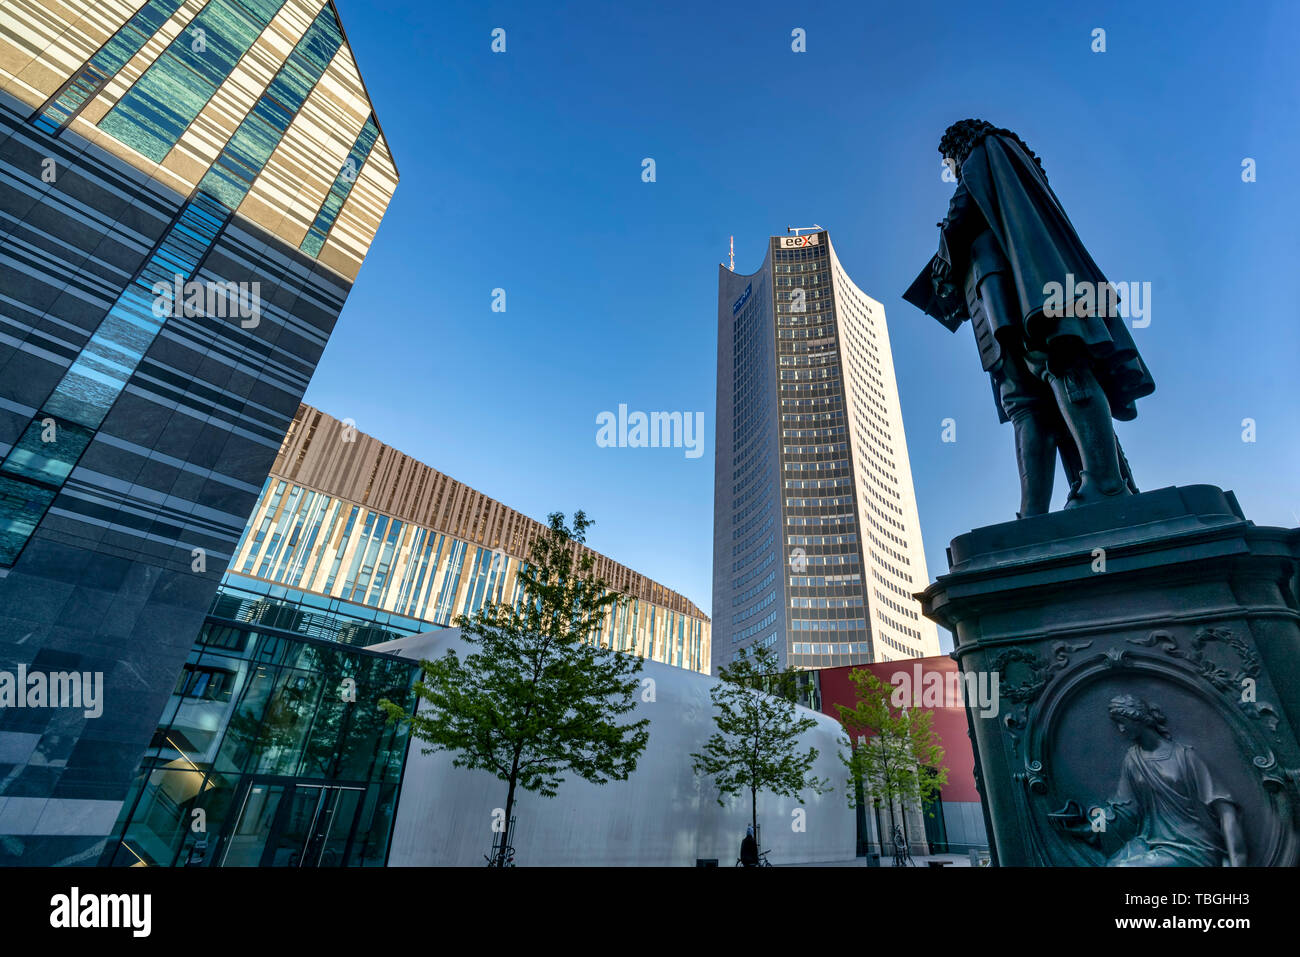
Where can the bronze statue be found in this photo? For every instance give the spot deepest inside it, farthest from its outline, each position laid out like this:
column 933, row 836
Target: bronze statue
column 1060, row 371
column 1169, row 808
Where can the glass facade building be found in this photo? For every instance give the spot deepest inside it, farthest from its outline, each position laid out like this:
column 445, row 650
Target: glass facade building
column 271, row 738
column 352, row 530
column 817, row 543
column 271, row 752
column 187, row 193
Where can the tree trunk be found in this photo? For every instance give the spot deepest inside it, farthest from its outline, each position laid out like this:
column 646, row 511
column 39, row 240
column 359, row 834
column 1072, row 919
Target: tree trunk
column 753, row 813
column 510, row 803
column 893, row 823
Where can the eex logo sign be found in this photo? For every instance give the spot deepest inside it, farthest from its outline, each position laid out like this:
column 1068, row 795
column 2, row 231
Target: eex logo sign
column 74, row 910
column 797, row 242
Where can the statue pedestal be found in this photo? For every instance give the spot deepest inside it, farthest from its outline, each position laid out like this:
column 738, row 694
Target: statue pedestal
column 1172, row 598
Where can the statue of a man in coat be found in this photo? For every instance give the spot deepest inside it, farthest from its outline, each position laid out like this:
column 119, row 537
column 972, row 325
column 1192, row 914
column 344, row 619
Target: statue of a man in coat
column 1060, row 369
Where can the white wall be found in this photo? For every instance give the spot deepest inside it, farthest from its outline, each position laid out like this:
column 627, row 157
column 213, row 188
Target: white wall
column 662, row 815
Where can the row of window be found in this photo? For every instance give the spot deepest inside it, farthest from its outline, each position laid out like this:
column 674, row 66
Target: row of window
column 844, row 518
column 824, row 581
column 422, row 574
column 898, row 572
column 741, row 599
column 745, row 545
column 856, row 648
column 822, row 502
column 748, row 650
column 850, row 558
column 837, row 465
column 806, row 434
column 810, row 357
column 744, row 529
column 823, row 405
column 428, row 565
column 898, row 645
column 815, row 449
column 828, row 624
column 737, row 566
column 757, row 570
column 818, row 483
column 891, row 585
column 854, row 601
column 744, row 513
column 821, row 539
column 751, row 458
column 898, row 556
column 890, row 603
column 759, row 485
column 754, row 629
column 754, row 609
column 910, row 632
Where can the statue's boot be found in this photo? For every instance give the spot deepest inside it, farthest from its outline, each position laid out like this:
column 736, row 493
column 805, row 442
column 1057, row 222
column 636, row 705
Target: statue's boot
column 1090, row 491
column 1086, row 412
column 1036, row 456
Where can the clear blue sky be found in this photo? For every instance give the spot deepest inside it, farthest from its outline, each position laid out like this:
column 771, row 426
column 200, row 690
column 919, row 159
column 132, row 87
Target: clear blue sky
column 522, row 171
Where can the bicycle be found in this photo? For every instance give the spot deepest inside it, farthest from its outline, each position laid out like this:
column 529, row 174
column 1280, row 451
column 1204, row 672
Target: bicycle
column 496, row 861
column 503, row 852
column 762, row 860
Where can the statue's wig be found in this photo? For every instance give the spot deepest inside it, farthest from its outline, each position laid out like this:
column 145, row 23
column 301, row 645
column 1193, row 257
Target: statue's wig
column 964, row 135
column 1138, row 711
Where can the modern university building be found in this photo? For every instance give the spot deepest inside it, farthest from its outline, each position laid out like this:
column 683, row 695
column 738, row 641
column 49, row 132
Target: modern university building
column 351, row 527
column 272, row 735
column 187, row 192
column 817, row 546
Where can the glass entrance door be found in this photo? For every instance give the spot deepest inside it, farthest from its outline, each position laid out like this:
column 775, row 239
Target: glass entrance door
column 335, row 818
column 294, row 825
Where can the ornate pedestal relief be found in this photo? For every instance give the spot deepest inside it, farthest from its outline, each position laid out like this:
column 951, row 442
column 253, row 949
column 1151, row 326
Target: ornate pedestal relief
column 1157, row 750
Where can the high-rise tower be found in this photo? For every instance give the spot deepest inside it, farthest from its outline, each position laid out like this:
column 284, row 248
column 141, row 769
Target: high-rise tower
column 817, row 545
column 187, row 192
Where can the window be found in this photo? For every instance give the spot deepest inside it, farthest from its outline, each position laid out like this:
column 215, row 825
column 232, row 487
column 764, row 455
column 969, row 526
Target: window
column 153, row 114
column 315, row 238
column 111, row 57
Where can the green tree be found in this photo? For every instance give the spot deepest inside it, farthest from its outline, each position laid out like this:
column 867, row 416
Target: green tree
column 539, row 698
column 894, row 752
column 755, row 747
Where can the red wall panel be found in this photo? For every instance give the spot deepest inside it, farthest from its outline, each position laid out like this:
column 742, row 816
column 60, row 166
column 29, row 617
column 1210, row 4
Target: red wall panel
column 949, row 718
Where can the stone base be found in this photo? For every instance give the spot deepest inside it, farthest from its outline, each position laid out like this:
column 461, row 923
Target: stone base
column 1173, row 599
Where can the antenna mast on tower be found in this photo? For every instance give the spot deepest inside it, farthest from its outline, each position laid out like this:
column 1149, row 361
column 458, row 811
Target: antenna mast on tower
column 732, row 256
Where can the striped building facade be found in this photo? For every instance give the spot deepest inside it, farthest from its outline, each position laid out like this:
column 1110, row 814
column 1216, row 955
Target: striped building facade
column 187, row 191
column 349, row 529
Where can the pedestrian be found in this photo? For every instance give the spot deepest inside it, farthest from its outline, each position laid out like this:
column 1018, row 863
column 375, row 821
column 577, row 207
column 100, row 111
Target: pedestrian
column 749, row 848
